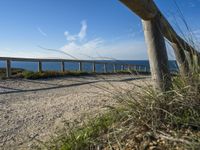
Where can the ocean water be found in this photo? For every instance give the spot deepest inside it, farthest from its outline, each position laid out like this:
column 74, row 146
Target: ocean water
column 73, row 66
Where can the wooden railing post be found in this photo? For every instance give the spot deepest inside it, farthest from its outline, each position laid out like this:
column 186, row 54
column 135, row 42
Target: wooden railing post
column 157, row 54
column 181, row 59
column 122, row 67
column 145, row 69
column 80, row 66
column 139, row 68
column 114, row 68
column 39, row 66
column 62, row 66
column 93, row 67
column 104, row 68
column 8, row 68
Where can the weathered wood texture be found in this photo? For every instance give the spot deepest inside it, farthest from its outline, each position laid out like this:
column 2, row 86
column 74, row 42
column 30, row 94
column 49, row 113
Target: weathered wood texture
column 157, row 54
column 182, row 61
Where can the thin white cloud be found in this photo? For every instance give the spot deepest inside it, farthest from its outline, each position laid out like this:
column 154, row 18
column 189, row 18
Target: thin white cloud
column 69, row 37
column 79, row 48
column 41, row 31
column 79, row 36
column 83, row 30
column 77, row 45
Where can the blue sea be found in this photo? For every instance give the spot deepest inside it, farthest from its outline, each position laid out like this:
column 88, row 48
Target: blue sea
column 73, row 66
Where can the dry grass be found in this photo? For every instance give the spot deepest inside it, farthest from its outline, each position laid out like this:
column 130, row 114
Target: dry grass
column 144, row 119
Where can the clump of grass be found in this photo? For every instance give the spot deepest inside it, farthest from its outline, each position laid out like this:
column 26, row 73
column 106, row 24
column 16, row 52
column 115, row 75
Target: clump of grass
column 165, row 115
column 145, row 119
column 86, row 136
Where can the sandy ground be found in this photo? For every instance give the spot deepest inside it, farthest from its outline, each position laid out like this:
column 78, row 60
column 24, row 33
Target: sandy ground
column 37, row 109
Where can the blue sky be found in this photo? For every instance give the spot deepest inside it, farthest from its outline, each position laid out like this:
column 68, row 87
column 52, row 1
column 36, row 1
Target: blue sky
column 85, row 29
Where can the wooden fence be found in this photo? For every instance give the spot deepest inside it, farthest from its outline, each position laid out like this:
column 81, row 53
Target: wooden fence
column 156, row 28
column 123, row 66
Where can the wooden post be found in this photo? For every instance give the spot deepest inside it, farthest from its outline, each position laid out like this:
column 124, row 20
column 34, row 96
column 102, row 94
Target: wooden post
column 8, row 68
column 122, row 67
column 145, row 68
column 62, row 66
column 139, row 68
column 104, row 67
column 181, row 60
column 157, row 54
column 80, row 66
column 136, row 68
column 39, row 66
column 114, row 68
column 94, row 67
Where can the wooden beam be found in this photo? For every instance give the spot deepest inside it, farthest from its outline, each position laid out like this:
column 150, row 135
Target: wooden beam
column 147, row 10
column 157, row 54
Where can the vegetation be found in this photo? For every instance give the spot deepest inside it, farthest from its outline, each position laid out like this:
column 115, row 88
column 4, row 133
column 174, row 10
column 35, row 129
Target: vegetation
column 49, row 74
column 144, row 119
column 21, row 73
column 15, row 71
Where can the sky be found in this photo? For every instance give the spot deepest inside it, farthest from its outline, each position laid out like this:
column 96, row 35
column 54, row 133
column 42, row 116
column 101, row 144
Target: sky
column 84, row 29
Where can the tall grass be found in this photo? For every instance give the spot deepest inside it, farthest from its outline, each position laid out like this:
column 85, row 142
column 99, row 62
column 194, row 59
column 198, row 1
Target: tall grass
column 144, row 119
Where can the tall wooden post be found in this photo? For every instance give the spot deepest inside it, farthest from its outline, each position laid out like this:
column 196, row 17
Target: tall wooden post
column 39, row 66
column 62, row 66
column 8, row 68
column 157, row 54
column 181, row 60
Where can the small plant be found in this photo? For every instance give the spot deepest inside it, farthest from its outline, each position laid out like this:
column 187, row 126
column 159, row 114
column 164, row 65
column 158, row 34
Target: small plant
column 86, row 136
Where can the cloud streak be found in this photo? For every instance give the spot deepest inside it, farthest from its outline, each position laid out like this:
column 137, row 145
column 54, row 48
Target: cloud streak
column 41, row 31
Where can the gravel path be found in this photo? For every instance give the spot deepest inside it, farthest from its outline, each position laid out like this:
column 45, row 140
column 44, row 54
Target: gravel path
column 36, row 109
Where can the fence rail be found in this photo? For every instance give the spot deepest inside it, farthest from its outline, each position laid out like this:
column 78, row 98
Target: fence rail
column 156, row 29
column 123, row 66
